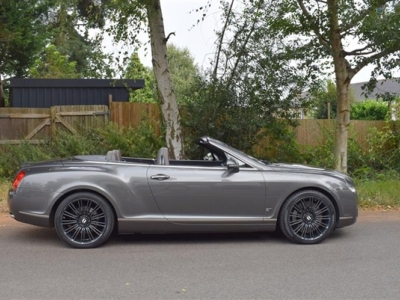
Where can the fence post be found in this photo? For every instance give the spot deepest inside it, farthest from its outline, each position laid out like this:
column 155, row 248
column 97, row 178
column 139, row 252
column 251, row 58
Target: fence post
column 53, row 113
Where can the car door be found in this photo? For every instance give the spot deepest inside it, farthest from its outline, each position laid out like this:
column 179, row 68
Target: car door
column 208, row 195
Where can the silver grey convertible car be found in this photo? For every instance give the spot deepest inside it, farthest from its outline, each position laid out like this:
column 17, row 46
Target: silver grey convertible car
column 87, row 197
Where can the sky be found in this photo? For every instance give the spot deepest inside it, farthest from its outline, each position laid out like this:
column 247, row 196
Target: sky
column 181, row 18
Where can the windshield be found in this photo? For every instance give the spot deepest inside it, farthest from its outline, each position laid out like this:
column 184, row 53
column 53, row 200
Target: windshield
column 263, row 162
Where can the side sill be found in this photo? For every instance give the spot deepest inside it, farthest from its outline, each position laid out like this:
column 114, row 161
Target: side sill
column 160, row 225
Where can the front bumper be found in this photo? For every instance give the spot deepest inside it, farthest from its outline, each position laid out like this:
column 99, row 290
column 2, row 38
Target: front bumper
column 348, row 210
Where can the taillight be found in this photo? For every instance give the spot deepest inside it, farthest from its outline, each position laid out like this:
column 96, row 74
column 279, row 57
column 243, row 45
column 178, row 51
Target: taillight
column 18, row 179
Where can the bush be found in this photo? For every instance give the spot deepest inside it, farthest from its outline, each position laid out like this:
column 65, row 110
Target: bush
column 369, row 110
column 134, row 142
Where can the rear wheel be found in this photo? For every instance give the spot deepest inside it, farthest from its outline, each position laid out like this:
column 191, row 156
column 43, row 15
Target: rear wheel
column 84, row 220
column 307, row 217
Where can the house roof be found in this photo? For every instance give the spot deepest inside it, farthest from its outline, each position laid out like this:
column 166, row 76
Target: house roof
column 382, row 86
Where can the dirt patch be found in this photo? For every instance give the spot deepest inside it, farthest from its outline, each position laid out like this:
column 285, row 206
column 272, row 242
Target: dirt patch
column 379, row 215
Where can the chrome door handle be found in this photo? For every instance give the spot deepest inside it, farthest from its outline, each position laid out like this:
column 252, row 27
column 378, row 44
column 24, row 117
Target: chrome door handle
column 159, row 177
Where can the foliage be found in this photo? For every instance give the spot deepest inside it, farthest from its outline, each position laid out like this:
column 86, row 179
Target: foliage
column 52, row 64
column 134, row 142
column 219, row 112
column 369, row 110
column 323, row 94
column 252, row 91
column 22, row 34
column 380, row 156
column 183, row 72
column 316, row 37
column 69, row 32
column 321, row 97
column 136, row 70
column 29, row 26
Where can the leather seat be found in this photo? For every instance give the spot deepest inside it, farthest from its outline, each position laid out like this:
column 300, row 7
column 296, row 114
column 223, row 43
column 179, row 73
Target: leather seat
column 162, row 156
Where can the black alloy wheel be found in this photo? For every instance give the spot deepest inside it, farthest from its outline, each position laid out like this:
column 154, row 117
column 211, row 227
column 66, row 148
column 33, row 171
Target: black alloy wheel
column 84, row 220
column 307, row 217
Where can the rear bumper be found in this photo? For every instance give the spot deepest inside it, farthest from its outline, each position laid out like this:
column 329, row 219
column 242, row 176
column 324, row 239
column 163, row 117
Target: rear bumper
column 33, row 219
column 20, row 214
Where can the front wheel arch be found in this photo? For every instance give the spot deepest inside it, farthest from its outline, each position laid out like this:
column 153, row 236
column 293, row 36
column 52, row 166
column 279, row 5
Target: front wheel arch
column 327, row 194
column 294, row 219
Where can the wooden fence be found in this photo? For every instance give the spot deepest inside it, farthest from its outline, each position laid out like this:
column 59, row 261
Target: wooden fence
column 35, row 124
column 126, row 114
column 315, row 132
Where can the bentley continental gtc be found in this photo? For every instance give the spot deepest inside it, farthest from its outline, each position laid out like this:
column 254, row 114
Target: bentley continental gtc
column 86, row 198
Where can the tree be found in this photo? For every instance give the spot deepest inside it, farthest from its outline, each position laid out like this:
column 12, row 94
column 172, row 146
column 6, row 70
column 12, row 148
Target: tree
column 52, row 64
column 69, row 31
column 324, row 101
column 136, row 70
column 22, row 34
column 127, row 19
column 317, row 33
column 252, row 91
column 251, row 64
column 183, row 72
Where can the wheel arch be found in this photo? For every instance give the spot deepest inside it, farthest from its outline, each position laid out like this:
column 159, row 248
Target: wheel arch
column 81, row 190
column 317, row 189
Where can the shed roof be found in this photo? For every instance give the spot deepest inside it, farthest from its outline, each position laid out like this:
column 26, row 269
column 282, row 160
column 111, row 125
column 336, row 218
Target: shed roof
column 44, row 93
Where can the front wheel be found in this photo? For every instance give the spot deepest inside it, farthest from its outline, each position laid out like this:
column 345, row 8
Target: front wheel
column 84, row 220
column 307, row 217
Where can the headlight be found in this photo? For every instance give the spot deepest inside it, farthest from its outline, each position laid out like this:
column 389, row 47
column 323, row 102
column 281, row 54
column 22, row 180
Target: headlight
column 350, row 184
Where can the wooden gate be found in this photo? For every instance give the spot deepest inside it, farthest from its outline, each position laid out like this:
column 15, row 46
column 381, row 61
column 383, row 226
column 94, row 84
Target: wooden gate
column 31, row 125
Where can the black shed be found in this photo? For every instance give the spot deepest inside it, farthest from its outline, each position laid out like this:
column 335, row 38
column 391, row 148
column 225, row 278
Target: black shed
column 44, row 93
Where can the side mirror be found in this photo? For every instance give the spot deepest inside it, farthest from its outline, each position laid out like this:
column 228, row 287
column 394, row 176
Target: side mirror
column 232, row 165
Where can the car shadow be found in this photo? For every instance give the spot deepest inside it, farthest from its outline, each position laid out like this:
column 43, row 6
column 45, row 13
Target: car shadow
column 195, row 238
column 38, row 236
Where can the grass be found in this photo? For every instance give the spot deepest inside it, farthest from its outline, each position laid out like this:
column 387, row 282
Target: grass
column 381, row 194
column 378, row 194
column 4, row 187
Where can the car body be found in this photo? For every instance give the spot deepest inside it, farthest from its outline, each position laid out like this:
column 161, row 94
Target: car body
column 87, row 197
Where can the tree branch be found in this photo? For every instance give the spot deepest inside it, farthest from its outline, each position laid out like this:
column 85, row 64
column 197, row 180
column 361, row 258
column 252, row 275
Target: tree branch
column 369, row 60
column 222, row 38
column 313, row 25
column 359, row 51
column 167, row 38
column 241, row 53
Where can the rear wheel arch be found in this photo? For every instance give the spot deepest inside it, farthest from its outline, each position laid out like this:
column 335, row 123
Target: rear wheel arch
column 64, row 196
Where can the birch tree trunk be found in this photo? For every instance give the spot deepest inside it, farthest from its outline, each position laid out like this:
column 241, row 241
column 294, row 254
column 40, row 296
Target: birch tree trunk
column 343, row 79
column 166, row 94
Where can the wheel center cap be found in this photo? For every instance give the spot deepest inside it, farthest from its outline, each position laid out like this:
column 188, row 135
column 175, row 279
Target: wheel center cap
column 308, row 217
column 84, row 220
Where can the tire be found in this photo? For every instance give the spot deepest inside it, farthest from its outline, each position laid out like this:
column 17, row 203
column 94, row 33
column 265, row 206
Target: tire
column 84, row 220
column 307, row 217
